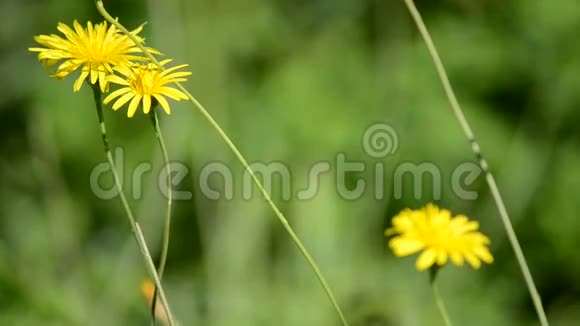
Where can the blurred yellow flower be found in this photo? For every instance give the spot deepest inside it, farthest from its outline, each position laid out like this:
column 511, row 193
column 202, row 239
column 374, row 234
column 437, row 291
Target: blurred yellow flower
column 146, row 83
column 148, row 291
column 97, row 49
column 440, row 236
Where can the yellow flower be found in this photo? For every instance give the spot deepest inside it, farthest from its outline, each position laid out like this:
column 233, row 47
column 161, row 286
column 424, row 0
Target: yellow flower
column 146, row 83
column 97, row 49
column 440, row 236
column 148, row 291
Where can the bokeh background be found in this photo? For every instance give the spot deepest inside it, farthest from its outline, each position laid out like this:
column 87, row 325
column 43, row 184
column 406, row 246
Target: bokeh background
column 295, row 82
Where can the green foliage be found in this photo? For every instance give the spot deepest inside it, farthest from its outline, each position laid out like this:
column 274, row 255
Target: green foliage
column 296, row 82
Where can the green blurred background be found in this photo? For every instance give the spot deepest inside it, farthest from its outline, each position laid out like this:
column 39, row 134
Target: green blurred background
column 295, row 82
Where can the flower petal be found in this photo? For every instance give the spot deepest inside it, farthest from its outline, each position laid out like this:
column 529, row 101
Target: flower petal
column 457, row 259
column 124, row 99
column 94, row 74
column 163, row 103
column 116, row 94
column 484, row 254
column 169, row 70
column 146, row 103
column 172, row 93
column 426, row 259
column 403, row 246
column 472, row 260
column 134, row 105
column 442, row 258
column 117, row 80
column 80, row 80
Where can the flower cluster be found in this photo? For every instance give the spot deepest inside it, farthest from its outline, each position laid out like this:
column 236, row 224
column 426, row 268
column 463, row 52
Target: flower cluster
column 100, row 51
column 440, row 236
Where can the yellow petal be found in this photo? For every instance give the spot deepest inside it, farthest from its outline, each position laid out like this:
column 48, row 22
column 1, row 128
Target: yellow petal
column 50, row 62
column 103, row 81
column 484, row 254
column 80, row 30
column 426, row 259
column 136, row 30
column 94, row 74
column 441, row 258
column 117, row 80
column 80, row 80
column 468, row 226
column 390, row 231
column 169, row 70
column 121, row 101
column 133, row 106
column 116, row 94
column 404, row 246
column 146, row 103
column 126, row 71
column 173, row 80
column 431, row 209
column 68, row 33
column 163, row 103
column 68, row 66
column 172, row 93
column 402, row 223
column 482, row 238
column 166, row 61
column 457, row 259
column 472, row 260
column 178, row 74
column 90, row 28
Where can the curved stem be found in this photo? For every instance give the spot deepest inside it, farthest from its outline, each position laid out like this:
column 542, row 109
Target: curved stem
column 167, row 224
column 242, row 160
column 440, row 304
column 135, row 227
column 482, row 163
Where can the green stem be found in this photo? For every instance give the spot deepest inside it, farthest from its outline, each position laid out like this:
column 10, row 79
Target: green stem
column 167, row 225
column 135, row 227
column 515, row 244
column 440, row 304
column 240, row 157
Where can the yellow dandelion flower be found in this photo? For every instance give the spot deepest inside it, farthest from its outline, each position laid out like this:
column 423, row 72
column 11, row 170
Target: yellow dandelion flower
column 146, row 84
column 97, row 49
column 440, row 236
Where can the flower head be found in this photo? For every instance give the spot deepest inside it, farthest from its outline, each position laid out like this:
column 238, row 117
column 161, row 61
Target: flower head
column 95, row 49
column 146, row 83
column 440, row 236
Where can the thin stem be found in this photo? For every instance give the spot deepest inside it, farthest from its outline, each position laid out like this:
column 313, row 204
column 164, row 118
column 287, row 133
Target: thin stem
column 482, row 163
column 167, row 225
column 440, row 304
column 135, row 227
column 242, row 160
